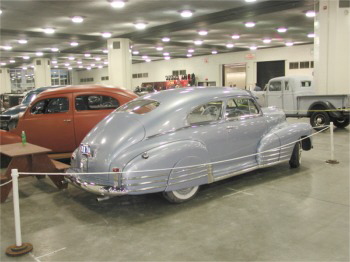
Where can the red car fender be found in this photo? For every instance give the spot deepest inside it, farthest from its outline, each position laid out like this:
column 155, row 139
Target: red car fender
column 8, row 138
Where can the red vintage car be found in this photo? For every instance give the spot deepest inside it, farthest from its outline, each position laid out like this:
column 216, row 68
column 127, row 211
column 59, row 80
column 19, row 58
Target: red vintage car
column 60, row 118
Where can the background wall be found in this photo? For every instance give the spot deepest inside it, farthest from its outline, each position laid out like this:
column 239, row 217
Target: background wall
column 209, row 67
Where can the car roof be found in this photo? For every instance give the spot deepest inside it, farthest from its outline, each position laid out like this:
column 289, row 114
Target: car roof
column 41, row 89
column 87, row 88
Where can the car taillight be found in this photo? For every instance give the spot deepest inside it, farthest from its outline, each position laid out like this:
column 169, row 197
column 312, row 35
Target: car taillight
column 116, row 169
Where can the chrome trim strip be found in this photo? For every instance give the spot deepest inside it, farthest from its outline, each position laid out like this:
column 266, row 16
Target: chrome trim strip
column 147, row 188
column 269, row 154
column 186, row 180
column 270, row 158
column 142, row 177
column 189, row 168
column 190, row 174
column 147, row 183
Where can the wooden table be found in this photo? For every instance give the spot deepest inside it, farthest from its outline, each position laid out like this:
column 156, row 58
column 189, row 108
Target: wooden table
column 29, row 158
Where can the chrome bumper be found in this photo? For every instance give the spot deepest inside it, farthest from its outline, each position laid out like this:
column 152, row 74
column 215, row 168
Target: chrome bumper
column 96, row 189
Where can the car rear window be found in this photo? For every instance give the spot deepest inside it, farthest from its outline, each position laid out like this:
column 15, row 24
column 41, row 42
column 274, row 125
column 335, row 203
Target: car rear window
column 139, row 106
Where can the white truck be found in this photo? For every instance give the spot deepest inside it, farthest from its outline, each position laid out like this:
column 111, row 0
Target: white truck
column 296, row 96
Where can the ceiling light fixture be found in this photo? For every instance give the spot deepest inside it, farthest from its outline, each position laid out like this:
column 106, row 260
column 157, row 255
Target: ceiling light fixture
column 144, row 57
column 71, row 58
column 267, row 40
column 88, row 68
column 253, row 48
column 105, row 62
column 70, row 68
column 202, row 32
column 25, row 57
column 49, row 30
column 66, row 64
column 7, row 47
column 77, row 19
column 106, row 34
column 190, row 50
column 92, row 64
column 53, row 62
column 105, row 51
column 22, row 41
column 100, row 66
column 80, row 66
column 135, row 52
column 0, row 11
column 165, row 39
column 166, row 54
column 140, row 25
column 250, row 1
column 214, row 52
column 230, row 45
column 97, row 58
column 117, row 4
column 311, row 35
column 56, row 66
column 24, row 68
column 282, row 30
column 87, row 55
column 3, row 64
column 249, row 24
column 79, row 62
column 186, row 13
column 310, row 13
column 289, row 43
column 54, row 49
column 236, row 36
column 148, row 60
column 39, row 53
column 189, row 55
column 167, row 57
column 159, row 48
column 198, row 42
column 12, row 61
column 74, row 43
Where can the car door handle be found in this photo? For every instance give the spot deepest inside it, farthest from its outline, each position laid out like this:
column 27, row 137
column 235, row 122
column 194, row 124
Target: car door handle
column 67, row 120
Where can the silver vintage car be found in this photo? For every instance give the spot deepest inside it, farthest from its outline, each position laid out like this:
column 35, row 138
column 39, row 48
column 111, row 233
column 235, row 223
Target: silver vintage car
column 176, row 140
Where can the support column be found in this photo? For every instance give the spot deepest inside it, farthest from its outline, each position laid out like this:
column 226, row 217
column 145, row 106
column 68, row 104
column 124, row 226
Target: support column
column 331, row 47
column 119, row 62
column 42, row 72
column 5, row 82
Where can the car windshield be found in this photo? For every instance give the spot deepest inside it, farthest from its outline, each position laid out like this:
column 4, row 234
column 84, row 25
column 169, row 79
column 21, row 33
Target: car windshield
column 139, row 106
column 29, row 98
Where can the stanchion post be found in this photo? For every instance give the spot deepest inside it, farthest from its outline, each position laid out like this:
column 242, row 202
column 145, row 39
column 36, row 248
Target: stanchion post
column 20, row 248
column 332, row 160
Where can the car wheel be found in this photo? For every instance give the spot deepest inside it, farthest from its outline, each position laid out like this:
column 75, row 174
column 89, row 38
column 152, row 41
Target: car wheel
column 319, row 120
column 181, row 195
column 295, row 159
column 341, row 123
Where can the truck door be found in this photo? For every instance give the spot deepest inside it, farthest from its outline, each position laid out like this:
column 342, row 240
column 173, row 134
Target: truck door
column 274, row 97
column 288, row 98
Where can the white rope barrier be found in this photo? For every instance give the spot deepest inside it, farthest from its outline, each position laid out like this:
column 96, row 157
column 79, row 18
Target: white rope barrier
column 4, row 184
column 183, row 167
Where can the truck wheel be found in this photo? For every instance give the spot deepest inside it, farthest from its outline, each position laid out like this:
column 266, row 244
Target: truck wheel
column 295, row 159
column 341, row 123
column 319, row 120
column 181, row 195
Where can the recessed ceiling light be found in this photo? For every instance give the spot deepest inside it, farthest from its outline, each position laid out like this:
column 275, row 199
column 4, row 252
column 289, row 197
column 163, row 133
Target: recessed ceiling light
column 12, row 61
column 159, row 48
column 166, row 54
column 97, row 58
column 214, row 52
column 267, row 40
column 25, row 57
column 92, row 64
column 189, row 55
column 198, row 42
column 253, row 48
column 310, row 13
column 22, row 41
column 7, row 47
column 144, row 57
column 190, row 50
column 250, row 1
column 117, row 4
column 311, row 35
column 49, row 30
column 282, row 29
column 87, row 55
column 289, row 43
column 105, row 62
column 79, row 62
column 100, row 66
column 70, row 68
column 39, row 53
column 0, row 11
column 66, row 64
column 77, row 19
column 235, row 36
column 167, row 57
column 230, row 45
column 71, row 58
column 54, row 49
column 165, row 39
column 186, row 13
column 106, row 34
column 148, row 60
column 80, row 66
column 135, row 52
column 88, row 68
column 249, row 24
column 53, row 62
column 105, row 51
column 74, row 43
column 3, row 64
column 24, row 68
column 202, row 32
column 140, row 25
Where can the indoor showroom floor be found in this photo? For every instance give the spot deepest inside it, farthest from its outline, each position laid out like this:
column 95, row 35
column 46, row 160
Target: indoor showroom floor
column 273, row 214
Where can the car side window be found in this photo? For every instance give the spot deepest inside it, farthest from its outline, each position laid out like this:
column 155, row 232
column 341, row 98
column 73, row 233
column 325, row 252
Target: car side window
column 240, row 107
column 205, row 113
column 51, row 106
column 275, row 86
column 95, row 102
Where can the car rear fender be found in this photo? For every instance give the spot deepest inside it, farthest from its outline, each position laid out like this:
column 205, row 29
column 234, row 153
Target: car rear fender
column 162, row 159
column 8, row 138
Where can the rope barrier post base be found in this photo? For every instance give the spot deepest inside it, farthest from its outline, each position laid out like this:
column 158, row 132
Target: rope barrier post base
column 20, row 248
column 332, row 160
